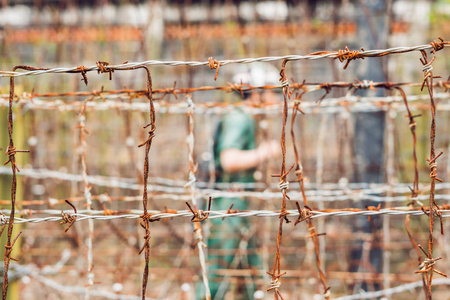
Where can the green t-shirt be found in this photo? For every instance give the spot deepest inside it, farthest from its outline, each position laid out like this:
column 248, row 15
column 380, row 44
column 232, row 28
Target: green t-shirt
column 236, row 131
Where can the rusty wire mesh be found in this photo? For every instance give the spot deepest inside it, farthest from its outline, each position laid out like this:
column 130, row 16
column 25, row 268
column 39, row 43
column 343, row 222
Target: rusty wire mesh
column 114, row 196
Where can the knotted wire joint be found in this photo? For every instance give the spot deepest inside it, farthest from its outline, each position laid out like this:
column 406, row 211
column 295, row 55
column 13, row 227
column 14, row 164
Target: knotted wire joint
column 103, row 68
column 274, row 284
column 198, row 238
column 11, row 152
column 169, row 91
column 68, row 218
column 214, row 64
column 284, row 186
column 428, row 265
column 437, row 45
column 192, row 179
column 347, row 55
column 3, row 219
column 365, row 84
column 433, row 165
column 428, row 67
column 82, row 69
column 198, row 214
column 303, row 214
column 237, row 88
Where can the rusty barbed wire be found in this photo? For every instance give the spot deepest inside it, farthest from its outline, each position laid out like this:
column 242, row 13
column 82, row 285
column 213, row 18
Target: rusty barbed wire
column 30, row 216
column 87, row 194
column 11, row 152
column 415, row 188
column 166, row 188
column 427, row 265
column 146, row 218
column 293, row 87
column 104, row 67
column 345, row 55
column 304, row 214
column 198, row 215
column 68, row 218
column 123, row 100
column 276, row 273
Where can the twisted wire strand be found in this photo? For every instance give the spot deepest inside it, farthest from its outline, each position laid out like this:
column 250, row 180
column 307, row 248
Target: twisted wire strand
column 41, row 276
column 312, row 56
column 330, row 105
column 174, row 189
column 395, row 290
column 101, row 215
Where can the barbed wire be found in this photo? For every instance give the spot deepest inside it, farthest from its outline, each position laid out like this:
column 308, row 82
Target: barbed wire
column 329, row 105
column 174, row 189
column 155, row 215
column 41, row 274
column 345, row 55
column 147, row 216
column 395, row 290
column 304, row 86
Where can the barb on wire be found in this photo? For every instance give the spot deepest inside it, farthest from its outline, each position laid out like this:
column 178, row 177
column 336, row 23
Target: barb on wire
column 198, row 215
column 343, row 55
column 88, row 197
column 348, row 56
column 82, row 70
column 11, row 152
column 305, row 87
column 214, row 64
column 156, row 215
column 103, row 67
column 68, row 218
column 434, row 208
column 284, row 186
column 146, row 217
column 415, row 189
column 304, row 214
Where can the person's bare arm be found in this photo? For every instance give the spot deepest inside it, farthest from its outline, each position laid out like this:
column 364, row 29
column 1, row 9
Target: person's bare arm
column 235, row 160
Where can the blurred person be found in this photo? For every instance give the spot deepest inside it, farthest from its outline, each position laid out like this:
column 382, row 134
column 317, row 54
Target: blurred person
column 236, row 158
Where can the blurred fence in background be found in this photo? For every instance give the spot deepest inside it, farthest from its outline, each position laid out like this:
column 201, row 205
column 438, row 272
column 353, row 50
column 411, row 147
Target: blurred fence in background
column 84, row 158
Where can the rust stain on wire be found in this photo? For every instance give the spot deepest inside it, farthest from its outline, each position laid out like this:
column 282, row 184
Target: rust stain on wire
column 304, row 86
column 415, row 189
column 11, row 152
column 427, row 266
column 284, row 185
column 304, row 214
column 146, row 217
column 68, row 218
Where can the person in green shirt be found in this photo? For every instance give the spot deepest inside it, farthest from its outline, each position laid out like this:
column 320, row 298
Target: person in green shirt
column 236, row 157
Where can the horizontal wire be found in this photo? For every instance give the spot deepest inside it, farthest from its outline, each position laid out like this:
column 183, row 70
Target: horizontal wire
column 103, row 215
column 394, row 290
column 312, row 56
column 330, row 105
column 293, row 86
column 30, row 270
column 120, row 99
column 327, row 193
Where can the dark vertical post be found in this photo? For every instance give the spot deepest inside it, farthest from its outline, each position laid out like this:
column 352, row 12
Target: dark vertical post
column 369, row 132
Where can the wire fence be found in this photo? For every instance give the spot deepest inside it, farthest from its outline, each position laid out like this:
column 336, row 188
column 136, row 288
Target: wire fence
column 193, row 191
